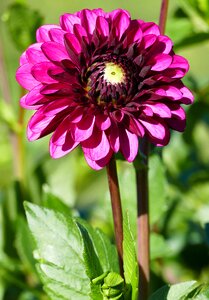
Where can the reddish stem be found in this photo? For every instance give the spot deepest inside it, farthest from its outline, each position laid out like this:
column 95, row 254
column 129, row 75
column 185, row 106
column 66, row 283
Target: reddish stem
column 143, row 231
column 163, row 15
column 116, row 209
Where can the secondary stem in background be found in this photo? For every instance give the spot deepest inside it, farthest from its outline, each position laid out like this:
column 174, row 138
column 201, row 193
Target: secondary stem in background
column 143, row 221
column 15, row 136
column 116, row 209
column 163, row 15
column 143, row 230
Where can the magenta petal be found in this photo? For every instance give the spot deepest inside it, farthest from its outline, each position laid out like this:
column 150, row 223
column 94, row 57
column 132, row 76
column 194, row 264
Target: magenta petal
column 113, row 14
column 54, row 107
column 128, row 144
column 88, row 20
column 97, row 146
column 178, row 112
column 99, row 164
column 103, row 121
column 35, row 54
column 166, row 44
column 150, row 28
column 77, row 114
column 42, row 33
column 83, row 130
column 180, row 62
column 148, row 41
column 160, row 62
column 121, row 22
column 57, row 35
column 23, row 59
column 136, row 127
column 57, row 151
column 38, row 125
column 168, row 91
column 102, row 27
column 25, row 78
column 187, row 96
column 54, row 52
column 113, row 137
column 59, row 135
column 73, row 47
column 67, row 21
column 134, row 33
column 160, row 110
column 24, row 105
column 41, row 72
column 157, row 131
column 34, row 95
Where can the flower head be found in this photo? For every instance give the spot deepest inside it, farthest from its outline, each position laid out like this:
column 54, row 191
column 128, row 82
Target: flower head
column 102, row 81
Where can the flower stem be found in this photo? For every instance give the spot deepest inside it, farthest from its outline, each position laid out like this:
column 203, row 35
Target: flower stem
column 143, row 231
column 116, row 209
column 163, row 15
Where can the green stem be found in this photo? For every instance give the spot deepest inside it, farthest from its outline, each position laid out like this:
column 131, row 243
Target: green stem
column 116, row 209
column 143, row 231
column 15, row 137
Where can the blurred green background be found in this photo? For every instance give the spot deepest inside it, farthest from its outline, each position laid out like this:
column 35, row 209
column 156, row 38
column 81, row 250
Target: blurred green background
column 179, row 173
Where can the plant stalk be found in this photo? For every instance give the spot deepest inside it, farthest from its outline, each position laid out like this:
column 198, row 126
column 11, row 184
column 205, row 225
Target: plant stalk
column 143, row 231
column 116, row 209
column 163, row 15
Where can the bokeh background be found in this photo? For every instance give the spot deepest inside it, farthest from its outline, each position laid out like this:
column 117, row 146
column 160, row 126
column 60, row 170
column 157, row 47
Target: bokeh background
column 179, row 173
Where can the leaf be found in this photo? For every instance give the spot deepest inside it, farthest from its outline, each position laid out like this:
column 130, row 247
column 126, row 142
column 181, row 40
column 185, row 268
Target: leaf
column 91, row 259
column 203, row 6
column 60, row 249
column 105, row 250
column 158, row 246
column 198, row 21
column 22, row 23
column 129, row 257
column 195, row 38
column 157, row 188
column 176, row 292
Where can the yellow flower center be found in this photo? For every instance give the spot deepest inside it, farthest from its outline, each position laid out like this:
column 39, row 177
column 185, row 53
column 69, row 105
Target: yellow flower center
column 113, row 73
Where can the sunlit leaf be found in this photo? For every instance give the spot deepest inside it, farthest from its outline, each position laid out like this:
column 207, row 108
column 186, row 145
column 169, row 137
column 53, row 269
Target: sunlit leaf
column 130, row 259
column 175, row 292
column 60, row 251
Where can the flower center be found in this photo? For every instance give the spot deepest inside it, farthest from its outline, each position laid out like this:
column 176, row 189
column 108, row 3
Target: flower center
column 113, row 73
column 111, row 81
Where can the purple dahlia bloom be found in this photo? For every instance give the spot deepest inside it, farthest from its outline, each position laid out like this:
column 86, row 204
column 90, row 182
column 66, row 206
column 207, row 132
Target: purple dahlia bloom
column 103, row 81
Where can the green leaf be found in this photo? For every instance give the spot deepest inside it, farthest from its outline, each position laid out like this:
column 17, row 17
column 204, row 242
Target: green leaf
column 157, row 188
column 195, row 38
column 196, row 18
column 105, row 250
column 60, row 249
column 158, row 246
column 129, row 257
column 22, row 23
column 93, row 267
column 203, row 6
column 176, row 292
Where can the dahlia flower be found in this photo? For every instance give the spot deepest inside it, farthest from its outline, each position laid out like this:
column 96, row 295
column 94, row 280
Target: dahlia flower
column 103, row 81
